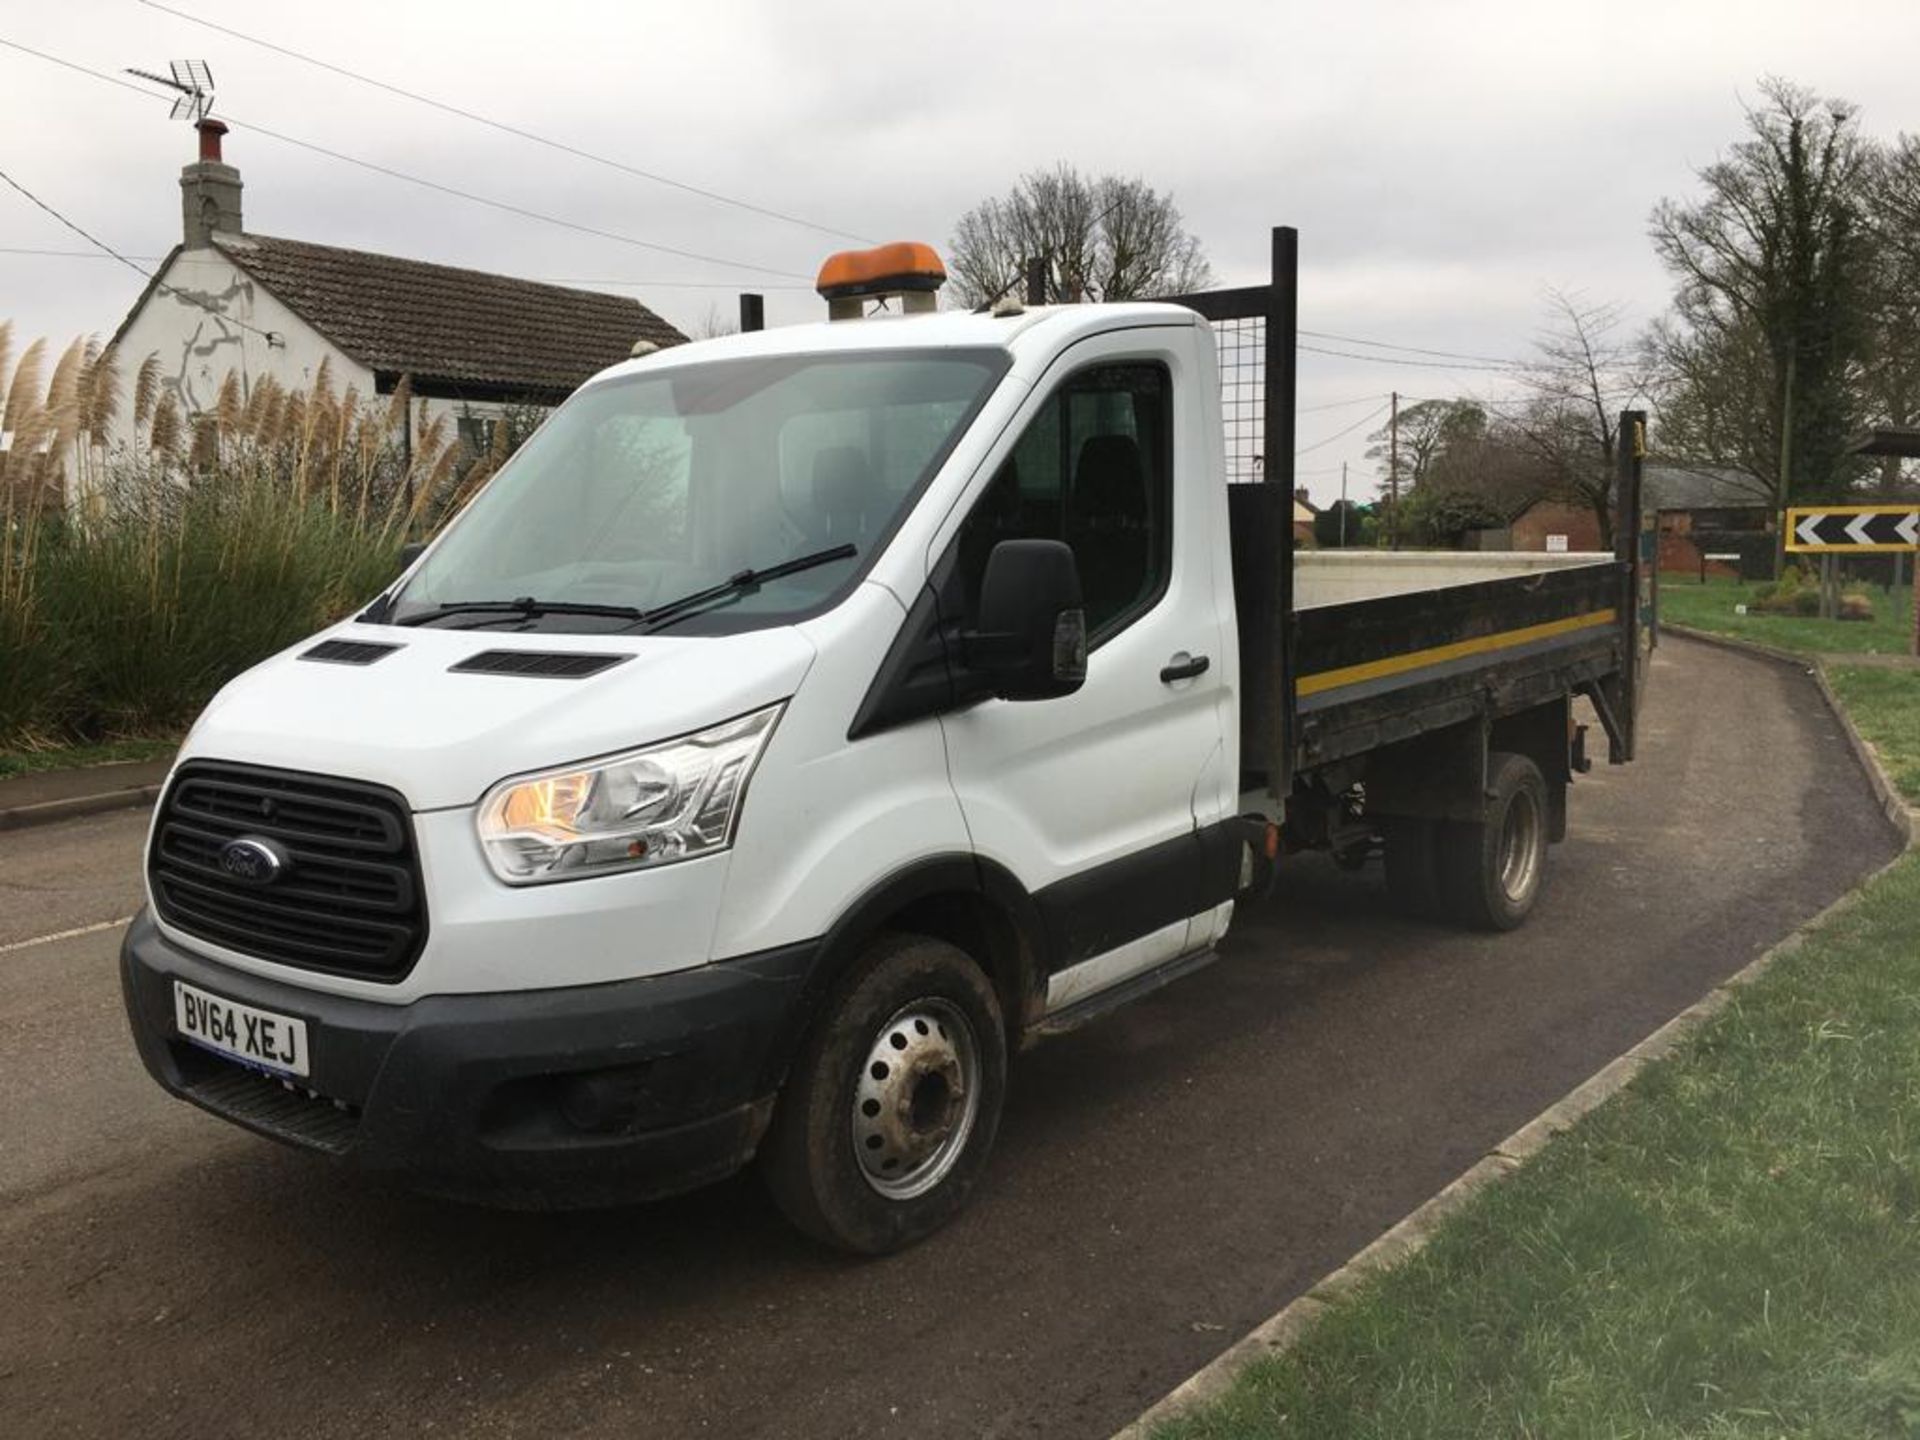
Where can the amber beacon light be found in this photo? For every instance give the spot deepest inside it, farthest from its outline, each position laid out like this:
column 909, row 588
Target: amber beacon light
column 906, row 268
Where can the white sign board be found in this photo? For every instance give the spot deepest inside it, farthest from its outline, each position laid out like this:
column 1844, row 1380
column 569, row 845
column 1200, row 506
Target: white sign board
column 1556, row 544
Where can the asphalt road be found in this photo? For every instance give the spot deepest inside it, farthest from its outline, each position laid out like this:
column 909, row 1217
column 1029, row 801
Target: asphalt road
column 1165, row 1179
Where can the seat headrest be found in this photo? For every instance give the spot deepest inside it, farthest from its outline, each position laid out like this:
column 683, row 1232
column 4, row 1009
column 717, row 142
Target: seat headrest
column 1109, row 479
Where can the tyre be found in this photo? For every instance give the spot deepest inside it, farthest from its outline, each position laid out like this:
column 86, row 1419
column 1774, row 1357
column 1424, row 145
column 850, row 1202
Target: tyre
column 890, row 1111
column 1411, row 856
column 1491, row 870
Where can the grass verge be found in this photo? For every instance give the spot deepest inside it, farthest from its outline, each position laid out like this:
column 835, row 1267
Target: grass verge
column 1728, row 1248
column 1885, row 706
column 1711, row 607
column 71, row 757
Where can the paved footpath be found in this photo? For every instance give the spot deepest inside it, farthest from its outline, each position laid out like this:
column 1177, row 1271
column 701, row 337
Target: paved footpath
column 1165, row 1179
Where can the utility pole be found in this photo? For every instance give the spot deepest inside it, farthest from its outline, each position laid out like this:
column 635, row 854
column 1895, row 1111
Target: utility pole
column 1343, row 501
column 1393, row 471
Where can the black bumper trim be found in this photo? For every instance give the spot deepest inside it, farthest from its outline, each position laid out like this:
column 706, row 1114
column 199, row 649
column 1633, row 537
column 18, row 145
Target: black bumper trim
column 556, row 1098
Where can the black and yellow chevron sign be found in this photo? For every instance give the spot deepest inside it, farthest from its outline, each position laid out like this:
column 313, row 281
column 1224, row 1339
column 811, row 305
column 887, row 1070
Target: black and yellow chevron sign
column 1859, row 529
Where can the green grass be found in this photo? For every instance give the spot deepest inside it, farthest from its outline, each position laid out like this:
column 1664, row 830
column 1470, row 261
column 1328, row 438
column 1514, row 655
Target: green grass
column 1730, row 1248
column 1710, row 607
column 69, row 757
column 1885, row 706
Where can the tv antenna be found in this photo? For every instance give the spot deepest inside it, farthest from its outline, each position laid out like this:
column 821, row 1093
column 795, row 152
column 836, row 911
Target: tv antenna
column 192, row 84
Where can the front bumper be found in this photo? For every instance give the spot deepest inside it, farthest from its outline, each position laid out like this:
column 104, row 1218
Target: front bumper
column 589, row 1095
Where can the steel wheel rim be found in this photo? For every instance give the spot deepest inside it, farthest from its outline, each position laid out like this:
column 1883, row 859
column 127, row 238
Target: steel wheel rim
column 916, row 1098
column 1520, row 848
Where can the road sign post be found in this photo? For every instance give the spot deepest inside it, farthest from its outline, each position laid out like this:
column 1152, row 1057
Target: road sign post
column 1829, row 530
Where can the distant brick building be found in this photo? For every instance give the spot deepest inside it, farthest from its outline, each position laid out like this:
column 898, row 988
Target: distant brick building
column 1576, row 526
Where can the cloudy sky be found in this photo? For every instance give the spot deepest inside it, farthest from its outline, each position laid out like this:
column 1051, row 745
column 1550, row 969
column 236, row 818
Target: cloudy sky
column 1445, row 163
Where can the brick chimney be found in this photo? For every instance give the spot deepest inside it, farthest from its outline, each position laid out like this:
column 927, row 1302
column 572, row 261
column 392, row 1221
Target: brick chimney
column 209, row 191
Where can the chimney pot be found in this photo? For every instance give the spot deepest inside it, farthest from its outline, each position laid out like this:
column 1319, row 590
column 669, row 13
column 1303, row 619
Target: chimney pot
column 210, row 132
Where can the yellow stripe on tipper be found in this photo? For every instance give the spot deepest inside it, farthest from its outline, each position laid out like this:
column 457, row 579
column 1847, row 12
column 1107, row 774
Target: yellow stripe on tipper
column 1459, row 649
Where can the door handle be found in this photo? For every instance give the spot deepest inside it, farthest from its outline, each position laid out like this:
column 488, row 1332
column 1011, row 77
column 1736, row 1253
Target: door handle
column 1183, row 667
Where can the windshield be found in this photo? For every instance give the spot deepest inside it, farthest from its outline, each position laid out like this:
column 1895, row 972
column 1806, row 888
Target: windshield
column 640, row 491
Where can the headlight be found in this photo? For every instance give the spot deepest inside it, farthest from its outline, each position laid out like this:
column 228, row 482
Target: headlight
column 653, row 806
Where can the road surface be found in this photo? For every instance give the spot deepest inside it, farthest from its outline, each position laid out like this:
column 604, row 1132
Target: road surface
column 1165, row 1179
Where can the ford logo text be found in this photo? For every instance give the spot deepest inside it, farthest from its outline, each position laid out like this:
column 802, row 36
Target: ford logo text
column 252, row 861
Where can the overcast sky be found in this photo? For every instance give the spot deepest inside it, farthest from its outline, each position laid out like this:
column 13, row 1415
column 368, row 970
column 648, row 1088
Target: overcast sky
column 1445, row 162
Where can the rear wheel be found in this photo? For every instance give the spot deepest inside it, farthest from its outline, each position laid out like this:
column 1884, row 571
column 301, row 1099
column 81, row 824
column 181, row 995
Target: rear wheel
column 1491, row 870
column 890, row 1111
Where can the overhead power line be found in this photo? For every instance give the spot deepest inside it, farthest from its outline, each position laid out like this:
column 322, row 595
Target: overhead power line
column 514, row 130
column 639, row 283
column 505, row 206
column 1373, row 414
column 1504, row 367
column 140, row 270
column 1411, row 349
column 1337, row 404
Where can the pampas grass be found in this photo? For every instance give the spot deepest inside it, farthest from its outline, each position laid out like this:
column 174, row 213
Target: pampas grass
column 210, row 542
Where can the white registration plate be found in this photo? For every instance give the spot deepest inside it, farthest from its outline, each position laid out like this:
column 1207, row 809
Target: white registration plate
column 254, row 1037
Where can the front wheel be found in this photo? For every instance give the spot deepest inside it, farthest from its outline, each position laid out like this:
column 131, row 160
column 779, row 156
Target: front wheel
column 891, row 1109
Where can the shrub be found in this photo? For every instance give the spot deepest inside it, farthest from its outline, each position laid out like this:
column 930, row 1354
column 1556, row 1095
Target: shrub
column 214, row 542
column 1854, row 605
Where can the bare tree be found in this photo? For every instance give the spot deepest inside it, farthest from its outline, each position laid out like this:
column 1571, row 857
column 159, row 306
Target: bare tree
column 1583, row 374
column 713, row 323
column 1100, row 238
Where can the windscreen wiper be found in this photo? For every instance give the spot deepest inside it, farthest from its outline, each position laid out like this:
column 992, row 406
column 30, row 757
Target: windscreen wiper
column 744, row 583
column 525, row 606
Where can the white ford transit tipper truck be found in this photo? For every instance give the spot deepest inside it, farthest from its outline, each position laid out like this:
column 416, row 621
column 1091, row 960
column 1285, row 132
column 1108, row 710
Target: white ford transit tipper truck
column 802, row 722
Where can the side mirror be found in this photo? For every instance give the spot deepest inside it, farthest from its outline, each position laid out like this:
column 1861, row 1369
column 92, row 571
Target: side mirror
column 410, row 552
column 1032, row 640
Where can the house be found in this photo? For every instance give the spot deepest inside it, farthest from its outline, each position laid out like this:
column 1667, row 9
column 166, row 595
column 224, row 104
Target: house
column 1555, row 525
column 1699, row 509
column 470, row 343
column 1706, row 510
column 1303, row 517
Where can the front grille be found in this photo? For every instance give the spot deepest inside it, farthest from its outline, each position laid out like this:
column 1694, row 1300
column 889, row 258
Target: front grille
column 347, row 899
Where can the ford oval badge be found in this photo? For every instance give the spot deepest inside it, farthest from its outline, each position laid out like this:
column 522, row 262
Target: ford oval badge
column 252, row 861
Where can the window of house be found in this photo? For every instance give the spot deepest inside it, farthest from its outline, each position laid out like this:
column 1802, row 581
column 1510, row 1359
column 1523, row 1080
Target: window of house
column 1093, row 468
column 475, row 432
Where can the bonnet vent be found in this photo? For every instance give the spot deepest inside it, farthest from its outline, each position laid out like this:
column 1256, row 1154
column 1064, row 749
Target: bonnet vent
column 349, row 652
column 546, row 665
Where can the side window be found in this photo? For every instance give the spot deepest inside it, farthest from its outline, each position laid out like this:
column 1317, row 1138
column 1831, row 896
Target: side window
column 1094, row 468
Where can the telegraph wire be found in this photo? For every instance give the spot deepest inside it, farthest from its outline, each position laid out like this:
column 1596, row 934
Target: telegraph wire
column 502, row 205
column 505, row 128
column 36, row 252
column 1410, row 349
column 1336, row 404
column 1373, row 414
column 271, row 337
column 1505, row 367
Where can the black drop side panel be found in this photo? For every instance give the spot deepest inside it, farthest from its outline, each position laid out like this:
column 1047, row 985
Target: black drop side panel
column 1260, row 529
column 1360, row 632
column 1337, row 723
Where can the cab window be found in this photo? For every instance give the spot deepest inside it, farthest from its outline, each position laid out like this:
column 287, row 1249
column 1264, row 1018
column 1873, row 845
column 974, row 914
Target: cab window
column 1094, row 468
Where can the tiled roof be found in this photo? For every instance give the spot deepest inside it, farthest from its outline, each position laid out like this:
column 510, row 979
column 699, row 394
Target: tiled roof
column 446, row 326
column 1671, row 486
